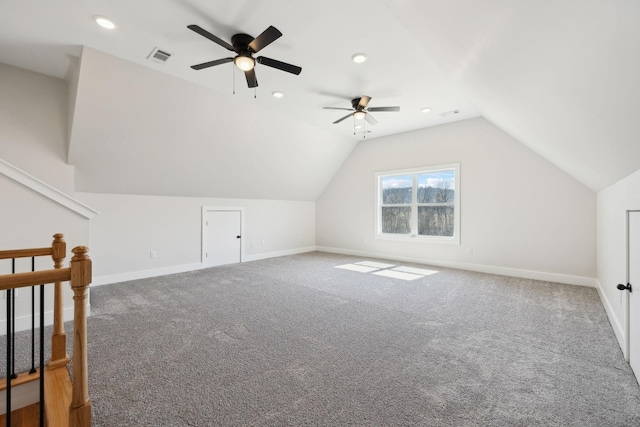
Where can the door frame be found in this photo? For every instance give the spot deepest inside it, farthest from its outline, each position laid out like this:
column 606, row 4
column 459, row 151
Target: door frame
column 203, row 229
column 627, row 303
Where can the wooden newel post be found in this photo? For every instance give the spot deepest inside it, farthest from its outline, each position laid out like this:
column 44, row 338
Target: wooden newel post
column 59, row 356
column 80, row 409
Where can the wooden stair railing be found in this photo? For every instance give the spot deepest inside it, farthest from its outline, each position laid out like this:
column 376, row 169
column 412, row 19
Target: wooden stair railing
column 79, row 274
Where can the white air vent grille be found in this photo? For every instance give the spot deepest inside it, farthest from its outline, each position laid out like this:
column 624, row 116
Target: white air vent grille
column 159, row 55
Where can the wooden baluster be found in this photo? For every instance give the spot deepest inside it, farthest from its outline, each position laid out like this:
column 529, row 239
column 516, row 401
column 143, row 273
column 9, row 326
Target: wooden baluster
column 59, row 356
column 80, row 409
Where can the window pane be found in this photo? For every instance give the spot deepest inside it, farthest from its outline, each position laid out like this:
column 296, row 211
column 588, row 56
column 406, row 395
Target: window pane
column 437, row 187
column 396, row 220
column 435, row 220
column 397, row 189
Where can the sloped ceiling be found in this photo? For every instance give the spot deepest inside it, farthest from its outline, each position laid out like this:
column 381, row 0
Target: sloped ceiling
column 558, row 76
column 139, row 131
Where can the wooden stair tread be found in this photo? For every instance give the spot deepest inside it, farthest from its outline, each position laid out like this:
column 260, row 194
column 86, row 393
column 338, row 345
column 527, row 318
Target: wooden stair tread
column 57, row 396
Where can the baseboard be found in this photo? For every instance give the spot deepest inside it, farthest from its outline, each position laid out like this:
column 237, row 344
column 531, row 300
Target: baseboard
column 276, row 254
column 145, row 274
column 618, row 328
column 23, row 323
column 502, row 271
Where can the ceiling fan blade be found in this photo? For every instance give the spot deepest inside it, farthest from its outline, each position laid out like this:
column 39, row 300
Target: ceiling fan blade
column 364, row 101
column 370, row 119
column 384, row 109
column 293, row 69
column 207, row 34
column 337, row 108
column 211, row 63
column 252, row 81
column 343, row 118
column 267, row 37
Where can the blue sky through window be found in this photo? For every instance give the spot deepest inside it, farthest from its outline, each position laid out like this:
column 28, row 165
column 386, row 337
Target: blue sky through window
column 398, row 181
column 436, row 179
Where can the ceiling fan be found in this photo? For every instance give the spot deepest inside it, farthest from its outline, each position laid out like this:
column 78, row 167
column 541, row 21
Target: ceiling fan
column 245, row 46
column 360, row 111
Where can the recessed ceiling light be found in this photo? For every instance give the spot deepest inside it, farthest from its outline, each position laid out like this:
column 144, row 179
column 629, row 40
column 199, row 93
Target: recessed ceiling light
column 359, row 58
column 105, row 22
column 425, row 109
column 277, row 94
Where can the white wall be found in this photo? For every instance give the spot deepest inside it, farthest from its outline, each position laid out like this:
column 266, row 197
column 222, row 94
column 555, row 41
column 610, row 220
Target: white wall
column 33, row 122
column 521, row 215
column 613, row 204
column 129, row 227
column 28, row 220
column 33, row 126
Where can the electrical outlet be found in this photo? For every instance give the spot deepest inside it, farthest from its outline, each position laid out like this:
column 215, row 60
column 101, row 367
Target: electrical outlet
column 153, row 254
column 470, row 251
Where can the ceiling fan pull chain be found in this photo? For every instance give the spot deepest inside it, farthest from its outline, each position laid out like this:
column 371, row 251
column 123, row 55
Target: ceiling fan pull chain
column 233, row 72
column 255, row 92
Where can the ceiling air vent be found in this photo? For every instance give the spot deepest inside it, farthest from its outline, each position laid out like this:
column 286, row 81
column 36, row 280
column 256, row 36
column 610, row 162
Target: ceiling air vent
column 450, row 113
column 159, row 56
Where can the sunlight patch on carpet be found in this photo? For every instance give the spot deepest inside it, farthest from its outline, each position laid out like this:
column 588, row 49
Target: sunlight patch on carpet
column 414, row 270
column 388, row 270
column 358, row 268
column 397, row 275
column 374, row 264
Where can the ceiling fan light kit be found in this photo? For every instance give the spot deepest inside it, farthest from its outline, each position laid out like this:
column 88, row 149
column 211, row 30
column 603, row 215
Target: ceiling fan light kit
column 244, row 62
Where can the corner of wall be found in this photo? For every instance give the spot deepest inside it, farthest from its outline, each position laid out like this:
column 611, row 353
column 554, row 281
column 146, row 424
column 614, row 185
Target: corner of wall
column 618, row 329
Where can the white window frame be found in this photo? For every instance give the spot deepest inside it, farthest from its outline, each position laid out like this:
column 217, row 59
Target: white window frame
column 414, row 236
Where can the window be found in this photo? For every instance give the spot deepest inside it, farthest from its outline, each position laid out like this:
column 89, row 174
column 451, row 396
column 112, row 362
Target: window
column 420, row 203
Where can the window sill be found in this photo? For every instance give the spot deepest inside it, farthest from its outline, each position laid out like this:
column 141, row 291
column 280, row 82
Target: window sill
column 419, row 239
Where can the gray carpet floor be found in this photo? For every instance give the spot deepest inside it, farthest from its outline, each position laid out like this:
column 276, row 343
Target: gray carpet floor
column 294, row 341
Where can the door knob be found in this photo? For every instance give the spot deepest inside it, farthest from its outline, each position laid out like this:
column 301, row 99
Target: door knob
column 237, row 237
column 623, row 287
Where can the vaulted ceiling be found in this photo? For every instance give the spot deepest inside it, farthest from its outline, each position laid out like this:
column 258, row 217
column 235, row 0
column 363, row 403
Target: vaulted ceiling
column 559, row 76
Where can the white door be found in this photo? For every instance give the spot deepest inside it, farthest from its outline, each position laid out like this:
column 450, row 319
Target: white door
column 634, row 295
column 223, row 233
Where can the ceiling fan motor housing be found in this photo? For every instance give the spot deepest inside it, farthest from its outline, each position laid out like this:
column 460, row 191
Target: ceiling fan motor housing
column 241, row 42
